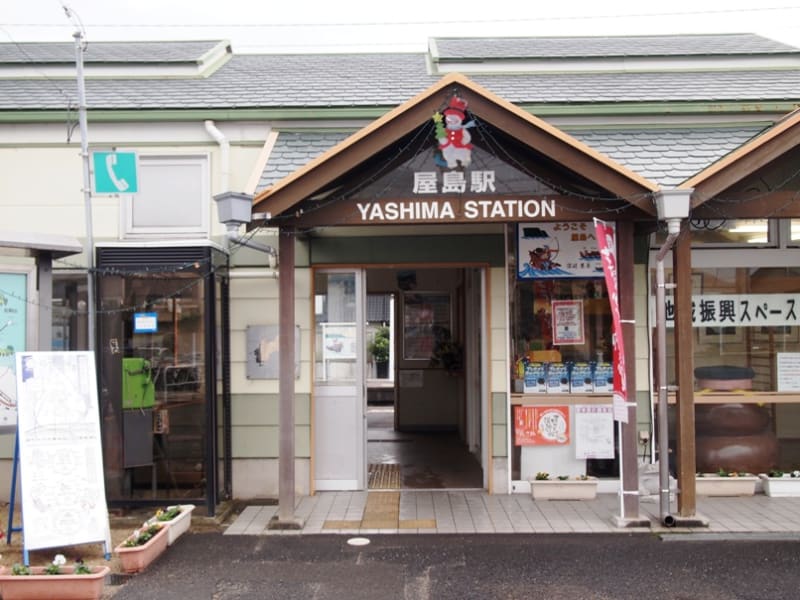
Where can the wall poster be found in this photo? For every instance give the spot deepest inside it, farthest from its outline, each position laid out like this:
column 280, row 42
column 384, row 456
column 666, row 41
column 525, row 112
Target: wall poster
column 426, row 320
column 60, row 452
column 568, row 322
column 594, row 431
column 541, row 425
column 13, row 335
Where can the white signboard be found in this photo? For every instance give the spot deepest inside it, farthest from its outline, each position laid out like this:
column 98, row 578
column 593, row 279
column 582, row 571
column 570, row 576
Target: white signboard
column 788, row 371
column 594, row 431
column 739, row 310
column 60, row 452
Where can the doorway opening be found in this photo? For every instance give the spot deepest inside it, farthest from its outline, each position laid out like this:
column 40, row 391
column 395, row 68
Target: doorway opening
column 425, row 378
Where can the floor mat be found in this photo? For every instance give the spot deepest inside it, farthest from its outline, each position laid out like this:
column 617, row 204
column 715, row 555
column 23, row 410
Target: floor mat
column 383, row 477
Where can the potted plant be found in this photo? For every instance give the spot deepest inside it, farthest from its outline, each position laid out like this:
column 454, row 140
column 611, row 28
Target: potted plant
column 177, row 517
column 142, row 547
column 779, row 484
column 725, row 483
column 57, row 580
column 563, row 487
column 378, row 347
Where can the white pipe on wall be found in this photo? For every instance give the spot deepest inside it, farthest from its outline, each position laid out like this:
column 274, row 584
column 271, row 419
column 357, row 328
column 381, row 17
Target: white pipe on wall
column 224, row 154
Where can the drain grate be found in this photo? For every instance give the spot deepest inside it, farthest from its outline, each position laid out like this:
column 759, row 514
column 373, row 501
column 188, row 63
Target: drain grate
column 383, row 477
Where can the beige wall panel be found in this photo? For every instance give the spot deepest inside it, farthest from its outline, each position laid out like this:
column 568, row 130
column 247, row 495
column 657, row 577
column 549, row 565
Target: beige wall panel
column 261, row 288
column 258, row 478
column 253, row 311
column 254, row 409
column 499, row 447
column 255, row 442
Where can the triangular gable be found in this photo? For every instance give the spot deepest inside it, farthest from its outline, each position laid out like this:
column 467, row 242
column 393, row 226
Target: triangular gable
column 285, row 196
column 746, row 160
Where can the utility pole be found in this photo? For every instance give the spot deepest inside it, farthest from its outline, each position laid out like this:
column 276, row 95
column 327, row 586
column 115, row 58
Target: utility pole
column 87, row 189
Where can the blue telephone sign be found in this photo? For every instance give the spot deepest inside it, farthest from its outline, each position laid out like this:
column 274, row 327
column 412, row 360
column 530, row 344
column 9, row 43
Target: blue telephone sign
column 115, row 172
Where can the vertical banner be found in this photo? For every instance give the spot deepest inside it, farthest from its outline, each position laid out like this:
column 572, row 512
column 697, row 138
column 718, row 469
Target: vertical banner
column 607, row 244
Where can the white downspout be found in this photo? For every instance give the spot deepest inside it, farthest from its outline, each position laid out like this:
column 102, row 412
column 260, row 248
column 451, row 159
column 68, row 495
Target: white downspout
column 224, row 155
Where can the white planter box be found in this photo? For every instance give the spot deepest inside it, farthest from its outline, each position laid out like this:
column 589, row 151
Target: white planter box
column 714, row 485
column 179, row 525
column 779, row 487
column 568, row 489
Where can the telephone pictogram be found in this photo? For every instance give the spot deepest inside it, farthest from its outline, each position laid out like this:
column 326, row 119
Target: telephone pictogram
column 119, row 182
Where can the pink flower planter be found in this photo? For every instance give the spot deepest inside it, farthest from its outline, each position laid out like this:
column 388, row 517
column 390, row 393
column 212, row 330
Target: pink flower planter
column 65, row 586
column 134, row 559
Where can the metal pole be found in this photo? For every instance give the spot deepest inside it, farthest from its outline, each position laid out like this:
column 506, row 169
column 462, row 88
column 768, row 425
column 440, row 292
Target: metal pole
column 87, row 191
column 661, row 339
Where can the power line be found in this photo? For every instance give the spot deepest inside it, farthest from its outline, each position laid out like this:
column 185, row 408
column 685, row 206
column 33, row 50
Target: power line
column 416, row 23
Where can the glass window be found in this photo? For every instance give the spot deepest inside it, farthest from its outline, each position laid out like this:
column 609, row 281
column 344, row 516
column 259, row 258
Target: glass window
column 173, row 198
column 152, row 331
column 743, row 317
column 336, row 350
column 746, row 341
column 728, row 232
column 561, row 332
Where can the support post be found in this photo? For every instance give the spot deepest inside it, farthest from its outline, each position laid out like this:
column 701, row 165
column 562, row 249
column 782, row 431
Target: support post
column 628, row 436
column 684, row 356
column 285, row 519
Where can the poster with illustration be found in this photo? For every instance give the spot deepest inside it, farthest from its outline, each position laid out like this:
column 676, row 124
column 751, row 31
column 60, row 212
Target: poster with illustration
column 557, row 251
column 541, row 425
column 13, row 316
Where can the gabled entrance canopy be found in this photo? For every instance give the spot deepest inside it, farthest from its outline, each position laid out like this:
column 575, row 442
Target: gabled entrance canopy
column 759, row 180
column 376, row 166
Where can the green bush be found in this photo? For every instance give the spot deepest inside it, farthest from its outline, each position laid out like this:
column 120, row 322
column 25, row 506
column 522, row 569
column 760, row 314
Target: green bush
column 379, row 345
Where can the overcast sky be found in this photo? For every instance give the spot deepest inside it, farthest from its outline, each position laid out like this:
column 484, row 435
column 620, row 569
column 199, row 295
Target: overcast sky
column 355, row 25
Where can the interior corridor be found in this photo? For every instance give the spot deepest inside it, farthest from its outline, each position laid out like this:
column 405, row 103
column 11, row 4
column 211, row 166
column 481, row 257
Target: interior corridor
column 433, row 460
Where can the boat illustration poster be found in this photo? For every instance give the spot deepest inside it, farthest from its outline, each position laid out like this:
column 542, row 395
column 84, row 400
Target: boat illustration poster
column 562, row 250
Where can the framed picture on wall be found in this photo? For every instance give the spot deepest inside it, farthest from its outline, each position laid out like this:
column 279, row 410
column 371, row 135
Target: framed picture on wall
column 426, row 317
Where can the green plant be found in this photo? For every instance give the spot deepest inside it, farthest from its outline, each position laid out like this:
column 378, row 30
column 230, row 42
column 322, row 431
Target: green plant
column 54, row 568
column 81, row 568
column 142, row 535
column 542, row 476
column 775, row 473
column 378, row 347
column 168, row 513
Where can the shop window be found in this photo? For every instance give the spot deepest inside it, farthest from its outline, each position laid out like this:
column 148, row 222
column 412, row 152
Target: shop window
column 743, row 317
column 746, row 344
column 794, row 232
column 173, row 198
column 69, row 312
column 562, row 371
column 728, row 232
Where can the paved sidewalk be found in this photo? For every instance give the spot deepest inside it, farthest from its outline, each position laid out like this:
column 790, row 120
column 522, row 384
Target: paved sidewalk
column 361, row 513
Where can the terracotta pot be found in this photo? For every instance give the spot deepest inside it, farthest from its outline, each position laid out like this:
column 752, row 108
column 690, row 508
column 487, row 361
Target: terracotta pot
column 65, row 586
column 731, row 419
column 747, row 453
column 134, row 559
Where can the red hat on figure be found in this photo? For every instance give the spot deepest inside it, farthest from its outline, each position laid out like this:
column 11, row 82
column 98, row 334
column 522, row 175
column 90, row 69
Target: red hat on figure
column 458, row 106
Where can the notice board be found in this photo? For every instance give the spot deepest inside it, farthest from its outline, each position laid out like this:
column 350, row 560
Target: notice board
column 60, row 452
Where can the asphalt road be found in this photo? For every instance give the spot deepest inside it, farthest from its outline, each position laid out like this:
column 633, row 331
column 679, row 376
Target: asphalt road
column 418, row 567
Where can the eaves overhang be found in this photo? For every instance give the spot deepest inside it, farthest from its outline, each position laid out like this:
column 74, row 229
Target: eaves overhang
column 530, row 131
